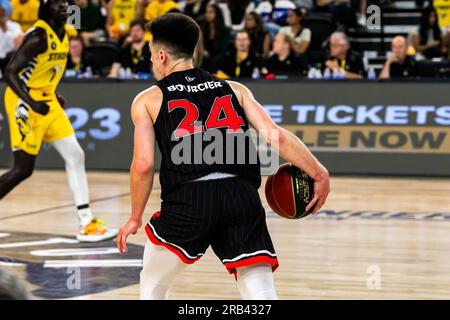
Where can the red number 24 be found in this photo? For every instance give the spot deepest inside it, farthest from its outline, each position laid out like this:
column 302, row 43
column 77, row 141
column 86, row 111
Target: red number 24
column 187, row 126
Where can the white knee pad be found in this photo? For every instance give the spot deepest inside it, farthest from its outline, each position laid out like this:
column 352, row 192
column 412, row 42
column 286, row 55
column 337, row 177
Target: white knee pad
column 255, row 282
column 159, row 271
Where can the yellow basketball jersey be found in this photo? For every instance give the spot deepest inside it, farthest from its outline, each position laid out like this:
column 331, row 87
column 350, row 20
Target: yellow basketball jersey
column 25, row 14
column 45, row 70
column 443, row 11
column 124, row 12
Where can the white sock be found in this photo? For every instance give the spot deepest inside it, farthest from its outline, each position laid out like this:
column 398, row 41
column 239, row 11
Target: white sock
column 255, row 282
column 85, row 215
column 73, row 155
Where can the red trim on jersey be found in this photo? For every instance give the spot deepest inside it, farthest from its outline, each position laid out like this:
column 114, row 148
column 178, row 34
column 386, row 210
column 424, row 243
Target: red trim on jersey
column 231, row 266
column 175, row 250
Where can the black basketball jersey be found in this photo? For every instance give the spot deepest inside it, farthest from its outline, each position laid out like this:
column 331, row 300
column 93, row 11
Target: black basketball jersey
column 201, row 129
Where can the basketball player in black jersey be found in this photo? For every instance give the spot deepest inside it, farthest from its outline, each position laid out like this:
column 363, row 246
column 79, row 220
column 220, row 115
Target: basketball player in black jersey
column 204, row 203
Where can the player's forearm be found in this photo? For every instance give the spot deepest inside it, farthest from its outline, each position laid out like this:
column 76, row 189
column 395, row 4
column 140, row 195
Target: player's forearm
column 141, row 186
column 14, row 82
column 293, row 150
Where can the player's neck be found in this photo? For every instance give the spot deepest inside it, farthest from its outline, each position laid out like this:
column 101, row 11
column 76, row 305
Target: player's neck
column 180, row 65
column 57, row 26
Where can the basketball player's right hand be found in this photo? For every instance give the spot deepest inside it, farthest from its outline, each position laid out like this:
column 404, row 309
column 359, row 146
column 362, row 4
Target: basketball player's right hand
column 321, row 191
column 41, row 107
column 131, row 227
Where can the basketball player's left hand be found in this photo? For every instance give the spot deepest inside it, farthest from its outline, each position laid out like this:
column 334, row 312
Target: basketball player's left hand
column 321, row 191
column 131, row 227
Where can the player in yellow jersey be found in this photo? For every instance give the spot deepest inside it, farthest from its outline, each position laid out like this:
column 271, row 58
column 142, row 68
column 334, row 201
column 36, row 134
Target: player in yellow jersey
column 36, row 115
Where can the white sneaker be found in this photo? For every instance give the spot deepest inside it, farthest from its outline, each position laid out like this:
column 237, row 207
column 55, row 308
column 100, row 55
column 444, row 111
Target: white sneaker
column 96, row 231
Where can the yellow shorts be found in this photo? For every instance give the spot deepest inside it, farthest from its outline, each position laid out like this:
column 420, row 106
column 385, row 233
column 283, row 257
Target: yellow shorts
column 29, row 129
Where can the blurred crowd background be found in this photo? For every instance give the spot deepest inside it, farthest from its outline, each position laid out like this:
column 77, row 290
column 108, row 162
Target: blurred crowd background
column 254, row 38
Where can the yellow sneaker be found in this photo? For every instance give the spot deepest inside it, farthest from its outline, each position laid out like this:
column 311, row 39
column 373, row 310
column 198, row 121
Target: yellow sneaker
column 96, row 231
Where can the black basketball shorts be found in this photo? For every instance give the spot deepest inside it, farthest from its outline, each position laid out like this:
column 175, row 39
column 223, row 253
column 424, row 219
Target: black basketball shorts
column 224, row 213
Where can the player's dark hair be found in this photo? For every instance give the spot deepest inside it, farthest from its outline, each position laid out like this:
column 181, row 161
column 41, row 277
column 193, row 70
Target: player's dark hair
column 179, row 33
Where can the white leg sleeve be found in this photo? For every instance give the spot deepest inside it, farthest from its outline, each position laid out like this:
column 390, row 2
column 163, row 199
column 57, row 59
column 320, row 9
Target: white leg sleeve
column 255, row 282
column 70, row 150
column 159, row 270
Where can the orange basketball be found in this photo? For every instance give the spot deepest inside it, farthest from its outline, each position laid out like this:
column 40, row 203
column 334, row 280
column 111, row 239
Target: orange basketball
column 289, row 191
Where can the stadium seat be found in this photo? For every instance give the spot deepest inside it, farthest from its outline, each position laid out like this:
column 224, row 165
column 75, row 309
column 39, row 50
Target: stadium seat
column 321, row 27
column 102, row 56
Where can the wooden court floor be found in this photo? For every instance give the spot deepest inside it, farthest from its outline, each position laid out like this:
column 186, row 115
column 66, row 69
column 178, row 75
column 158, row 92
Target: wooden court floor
column 376, row 238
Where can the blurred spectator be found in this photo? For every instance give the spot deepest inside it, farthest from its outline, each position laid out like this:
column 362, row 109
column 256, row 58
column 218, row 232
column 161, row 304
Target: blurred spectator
column 11, row 36
column 25, row 13
column 428, row 40
column 241, row 61
column 6, row 4
column 284, row 60
column 399, row 64
column 343, row 61
column 136, row 54
column 196, row 9
column 78, row 61
column 259, row 38
column 342, row 11
column 301, row 36
column 275, row 11
column 216, row 37
column 92, row 21
column 238, row 9
column 151, row 9
column 11, row 288
column 120, row 14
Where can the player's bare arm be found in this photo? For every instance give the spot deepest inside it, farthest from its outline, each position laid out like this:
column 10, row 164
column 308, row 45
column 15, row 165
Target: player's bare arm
column 288, row 146
column 143, row 113
column 33, row 44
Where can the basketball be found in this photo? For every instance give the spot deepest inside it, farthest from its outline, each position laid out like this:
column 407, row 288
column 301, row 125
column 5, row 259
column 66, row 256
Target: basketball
column 289, row 191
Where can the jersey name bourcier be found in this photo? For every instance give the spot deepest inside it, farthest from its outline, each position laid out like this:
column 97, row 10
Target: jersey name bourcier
column 207, row 85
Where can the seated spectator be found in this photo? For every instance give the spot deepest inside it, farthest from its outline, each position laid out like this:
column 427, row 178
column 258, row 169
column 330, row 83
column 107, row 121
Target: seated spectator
column 284, row 60
column 399, row 64
column 136, row 54
column 275, row 11
column 120, row 14
column 259, row 38
column 342, row 11
column 151, row 9
column 428, row 40
column 78, row 61
column 241, row 61
column 25, row 13
column 11, row 36
column 196, row 9
column 216, row 37
column 301, row 35
column 342, row 60
column 92, row 21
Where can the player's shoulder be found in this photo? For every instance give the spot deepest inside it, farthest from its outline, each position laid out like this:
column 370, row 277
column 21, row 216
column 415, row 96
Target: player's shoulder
column 151, row 94
column 240, row 90
column 149, row 100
